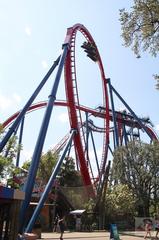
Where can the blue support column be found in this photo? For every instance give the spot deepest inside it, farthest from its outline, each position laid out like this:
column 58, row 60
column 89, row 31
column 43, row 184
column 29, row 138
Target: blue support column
column 114, row 139
column 95, row 153
column 87, row 144
column 110, row 150
column 40, row 141
column 19, row 142
column 113, row 114
column 87, row 135
column 9, row 146
column 125, row 135
column 49, row 185
column 28, row 104
column 132, row 112
column 69, row 150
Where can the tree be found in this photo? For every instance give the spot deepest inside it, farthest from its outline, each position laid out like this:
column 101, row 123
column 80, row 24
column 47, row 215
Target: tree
column 137, row 166
column 120, row 201
column 7, row 157
column 140, row 28
column 46, row 165
column 6, row 167
column 71, row 183
column 68, row 176
column 89, row 219
column 26, row 165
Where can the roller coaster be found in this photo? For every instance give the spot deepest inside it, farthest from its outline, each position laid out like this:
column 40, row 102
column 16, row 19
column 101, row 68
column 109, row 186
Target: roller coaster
column 116, row 127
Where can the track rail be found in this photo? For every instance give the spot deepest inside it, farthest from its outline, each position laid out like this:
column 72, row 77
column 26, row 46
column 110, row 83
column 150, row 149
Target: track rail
column 73, row 99
column 74, row 108
column 127, row 119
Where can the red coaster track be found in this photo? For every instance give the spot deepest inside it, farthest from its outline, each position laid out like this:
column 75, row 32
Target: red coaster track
column 73, row 99
column 75, row 109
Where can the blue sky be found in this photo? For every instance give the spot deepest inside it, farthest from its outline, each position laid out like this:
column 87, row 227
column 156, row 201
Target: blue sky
column 31, row 36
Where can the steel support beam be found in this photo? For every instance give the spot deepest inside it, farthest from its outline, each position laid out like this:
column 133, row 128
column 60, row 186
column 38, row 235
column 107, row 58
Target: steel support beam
column 113, row 113
column 40, row 141
column 49, row 185
column 28, row 104
column 20, row 142
column 131, row 111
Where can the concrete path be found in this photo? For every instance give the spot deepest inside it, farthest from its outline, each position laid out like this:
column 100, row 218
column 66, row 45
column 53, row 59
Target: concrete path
column 95, row 236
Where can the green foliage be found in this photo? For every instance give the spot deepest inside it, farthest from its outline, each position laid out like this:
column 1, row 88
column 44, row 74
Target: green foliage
column 70, row 182
column 137, row 166
column 156, row 77
column 140, row 27
column 12, row 148
column 26, row 164
column 120, row 200
column 7, row 157
column 6, row 167
column 46, row 166
column 68, row 176
column 88, row 219
column 89, row 206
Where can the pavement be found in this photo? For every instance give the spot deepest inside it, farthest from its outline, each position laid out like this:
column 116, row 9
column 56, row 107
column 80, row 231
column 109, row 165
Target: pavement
column 96, row 235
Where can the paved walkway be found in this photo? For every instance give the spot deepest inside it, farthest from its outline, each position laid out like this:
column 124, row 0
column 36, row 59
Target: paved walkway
column 95, row 236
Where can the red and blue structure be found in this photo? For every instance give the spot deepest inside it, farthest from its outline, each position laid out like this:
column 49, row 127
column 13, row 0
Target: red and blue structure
column 115, row 123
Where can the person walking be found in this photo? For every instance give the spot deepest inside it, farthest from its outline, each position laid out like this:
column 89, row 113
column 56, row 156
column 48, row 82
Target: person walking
column 62, row 227
column 148, row 228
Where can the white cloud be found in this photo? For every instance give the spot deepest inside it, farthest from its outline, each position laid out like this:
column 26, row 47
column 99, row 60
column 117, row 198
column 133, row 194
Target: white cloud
column 63, row 117
column 44, row 64
column 157, row 127
column 28, row 30
column 8, row 102
column 16, row 97
column 26, row 154
column 5, row 102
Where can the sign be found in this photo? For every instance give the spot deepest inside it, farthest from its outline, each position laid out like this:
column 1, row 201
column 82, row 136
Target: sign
column 114, row 232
